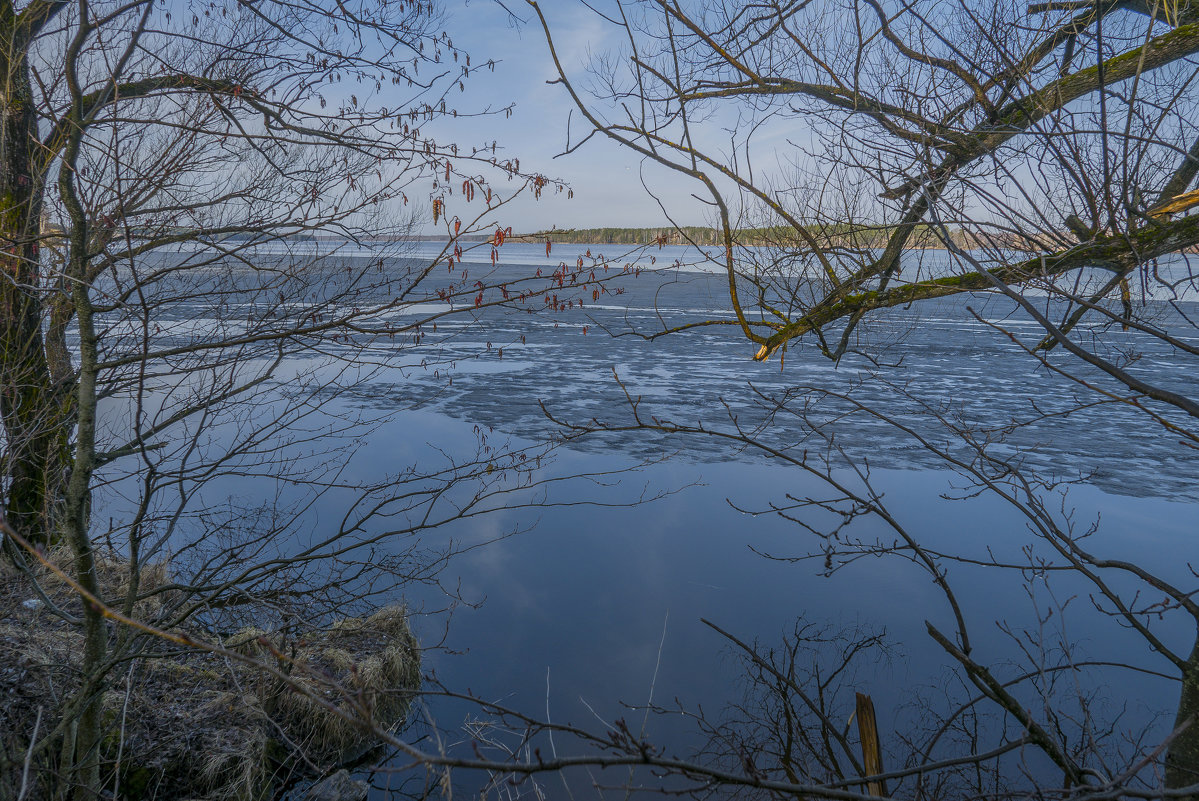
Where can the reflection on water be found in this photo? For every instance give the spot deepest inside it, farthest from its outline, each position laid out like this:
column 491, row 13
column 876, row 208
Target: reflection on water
column 593, row 607
column 598, row 599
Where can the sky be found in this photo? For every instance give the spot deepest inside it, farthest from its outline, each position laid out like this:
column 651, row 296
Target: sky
column 606, row 179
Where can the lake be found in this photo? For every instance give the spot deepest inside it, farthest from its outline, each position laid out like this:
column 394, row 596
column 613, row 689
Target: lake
column 593, row 606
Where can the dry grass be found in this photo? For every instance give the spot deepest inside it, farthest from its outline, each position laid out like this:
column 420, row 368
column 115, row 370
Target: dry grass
column 366, row 668
column 114, row 577
column 198, row 725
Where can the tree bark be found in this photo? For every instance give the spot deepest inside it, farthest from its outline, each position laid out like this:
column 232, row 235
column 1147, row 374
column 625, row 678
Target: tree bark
column 1182, row 760
column 28, row 398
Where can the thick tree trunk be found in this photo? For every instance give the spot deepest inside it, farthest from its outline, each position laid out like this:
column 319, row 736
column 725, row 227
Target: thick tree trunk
column 28, row 399
column 1182, row 760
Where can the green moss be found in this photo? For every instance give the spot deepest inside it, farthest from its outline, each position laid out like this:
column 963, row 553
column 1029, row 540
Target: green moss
column 139, row 783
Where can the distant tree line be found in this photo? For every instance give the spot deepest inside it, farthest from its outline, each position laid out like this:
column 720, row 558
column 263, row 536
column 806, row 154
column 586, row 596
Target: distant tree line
column 843, row 235
column 627, row 236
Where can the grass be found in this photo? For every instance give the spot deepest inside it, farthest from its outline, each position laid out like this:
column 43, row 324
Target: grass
column 193, row 724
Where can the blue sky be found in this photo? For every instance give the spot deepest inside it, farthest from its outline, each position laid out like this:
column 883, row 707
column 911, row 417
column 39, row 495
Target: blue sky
column 607, row 180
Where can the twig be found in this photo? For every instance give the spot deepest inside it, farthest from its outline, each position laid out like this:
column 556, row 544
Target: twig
column 37, row 723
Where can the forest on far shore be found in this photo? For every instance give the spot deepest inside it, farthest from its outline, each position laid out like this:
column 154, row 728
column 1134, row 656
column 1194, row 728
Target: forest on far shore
column 842, row 235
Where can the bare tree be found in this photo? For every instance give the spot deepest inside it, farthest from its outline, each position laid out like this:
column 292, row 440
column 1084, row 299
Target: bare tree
column 207, row 223
column 1043, row 154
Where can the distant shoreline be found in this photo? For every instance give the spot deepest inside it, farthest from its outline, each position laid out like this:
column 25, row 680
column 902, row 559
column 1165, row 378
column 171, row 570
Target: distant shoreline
column 923, row 238
column 861, row 237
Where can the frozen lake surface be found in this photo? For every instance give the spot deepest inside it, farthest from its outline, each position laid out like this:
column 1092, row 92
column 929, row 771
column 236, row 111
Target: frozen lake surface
column 598, row 602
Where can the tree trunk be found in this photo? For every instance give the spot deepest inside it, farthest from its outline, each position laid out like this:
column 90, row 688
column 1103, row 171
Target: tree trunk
column 28, row 397
column 1182, row 760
